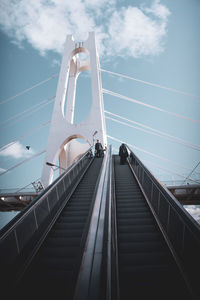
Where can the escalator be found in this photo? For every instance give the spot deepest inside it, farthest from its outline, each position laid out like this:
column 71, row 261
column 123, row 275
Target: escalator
column 101, row 231
column 54, row 269
column 146, row 266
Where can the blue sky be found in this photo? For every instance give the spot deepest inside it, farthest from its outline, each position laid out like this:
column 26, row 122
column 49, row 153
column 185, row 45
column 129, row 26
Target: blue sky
column 151, row 40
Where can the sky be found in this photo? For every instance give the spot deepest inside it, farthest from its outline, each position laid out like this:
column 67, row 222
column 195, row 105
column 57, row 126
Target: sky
column 152, row 41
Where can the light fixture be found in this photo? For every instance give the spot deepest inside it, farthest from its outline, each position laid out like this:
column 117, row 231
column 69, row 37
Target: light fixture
column 49, row 164
column 53, row 165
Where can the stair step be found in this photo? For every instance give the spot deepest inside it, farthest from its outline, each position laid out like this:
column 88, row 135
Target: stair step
column 143, row 259
column 138, row 237
column 141, row 246
column 137, row 228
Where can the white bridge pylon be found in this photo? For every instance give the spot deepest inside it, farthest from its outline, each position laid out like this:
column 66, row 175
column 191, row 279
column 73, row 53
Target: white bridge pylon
column 62, row 143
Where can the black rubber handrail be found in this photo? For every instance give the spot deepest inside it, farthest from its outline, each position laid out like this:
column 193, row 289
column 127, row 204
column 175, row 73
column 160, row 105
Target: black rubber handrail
column 115, row 292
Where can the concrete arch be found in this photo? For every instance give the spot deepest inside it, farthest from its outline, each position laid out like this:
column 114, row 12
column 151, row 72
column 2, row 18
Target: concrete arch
column 70, row 149
column 72, row 137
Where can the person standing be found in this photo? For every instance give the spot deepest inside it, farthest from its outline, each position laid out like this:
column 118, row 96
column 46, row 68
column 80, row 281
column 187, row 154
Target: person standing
column 98, row 149
column 123, row 153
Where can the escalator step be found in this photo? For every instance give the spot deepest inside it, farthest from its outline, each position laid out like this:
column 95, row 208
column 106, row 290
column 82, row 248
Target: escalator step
column 138, row 237
column 141, row 228
column 69, row 226
column 135, row 215
column 63, row 251
column 143, row 246
column 131, row 260
column 131, row 221
column 57, row 263
column 62, row 241
column 66, row 233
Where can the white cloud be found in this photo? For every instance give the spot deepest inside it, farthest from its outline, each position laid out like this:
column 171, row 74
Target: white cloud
column 158, row 10
column 16, row 150
column 135, row 33
column 131, row 31
column 194, row 211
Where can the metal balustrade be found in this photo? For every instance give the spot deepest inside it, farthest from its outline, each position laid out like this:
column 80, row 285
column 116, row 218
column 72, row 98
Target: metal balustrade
column 180, row 229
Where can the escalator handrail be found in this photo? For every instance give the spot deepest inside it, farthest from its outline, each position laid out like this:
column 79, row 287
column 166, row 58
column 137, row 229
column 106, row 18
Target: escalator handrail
column 114, row 292
column 88, row 283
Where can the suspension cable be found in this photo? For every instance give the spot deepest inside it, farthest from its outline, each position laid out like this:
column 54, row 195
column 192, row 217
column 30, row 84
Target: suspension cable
column 147, row 152
column 152, row 129
column 29, row 89
column 25, row 114
column 171, row 138
column 148, row 105
column 192, row 170
column 172, row 172
column 152, row 84
column 159, row 165
column 22, row 162
column 28, row 133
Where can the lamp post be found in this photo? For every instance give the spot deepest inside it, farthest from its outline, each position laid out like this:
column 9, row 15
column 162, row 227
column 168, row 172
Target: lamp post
column 93, row 136
column 53, row 165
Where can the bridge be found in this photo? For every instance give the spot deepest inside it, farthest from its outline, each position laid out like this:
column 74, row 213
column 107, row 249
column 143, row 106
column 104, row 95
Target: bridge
column 101, row 229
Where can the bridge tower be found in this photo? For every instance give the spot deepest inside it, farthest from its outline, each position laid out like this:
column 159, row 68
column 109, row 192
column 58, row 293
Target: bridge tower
column 62, row 143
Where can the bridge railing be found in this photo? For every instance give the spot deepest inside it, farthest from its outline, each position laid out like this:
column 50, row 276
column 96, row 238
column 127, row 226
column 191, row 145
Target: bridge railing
column 23, row 234
column 181, row 231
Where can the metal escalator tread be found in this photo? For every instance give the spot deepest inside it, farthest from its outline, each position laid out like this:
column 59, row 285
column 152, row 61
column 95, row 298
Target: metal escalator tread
column 54, row 270
column 146, row 267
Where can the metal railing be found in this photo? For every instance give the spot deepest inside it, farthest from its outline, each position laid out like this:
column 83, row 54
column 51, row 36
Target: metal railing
column 180, row 229
column 21, row 237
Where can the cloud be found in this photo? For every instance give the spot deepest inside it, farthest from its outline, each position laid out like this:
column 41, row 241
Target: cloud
column 194, row 211
column 15, row 150
column 158, row 10
column 135, row 33
column 132, row 31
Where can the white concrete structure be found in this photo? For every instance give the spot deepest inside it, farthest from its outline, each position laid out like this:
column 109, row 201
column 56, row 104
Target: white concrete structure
column 62, row 143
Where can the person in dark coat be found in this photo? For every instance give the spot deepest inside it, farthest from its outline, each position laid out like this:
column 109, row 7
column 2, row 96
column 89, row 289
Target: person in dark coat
column 123, row 153
column 98, row 149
